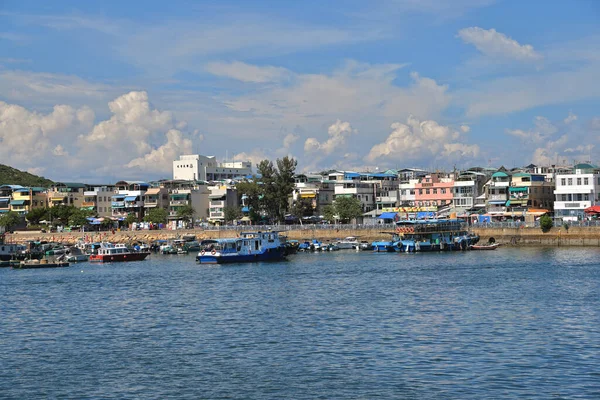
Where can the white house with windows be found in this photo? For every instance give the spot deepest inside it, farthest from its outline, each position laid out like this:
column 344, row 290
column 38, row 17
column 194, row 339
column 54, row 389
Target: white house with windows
column 196, row 167
column 576, row 191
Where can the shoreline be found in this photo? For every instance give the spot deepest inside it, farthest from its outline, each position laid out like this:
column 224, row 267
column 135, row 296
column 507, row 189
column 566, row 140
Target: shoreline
column 556, row 237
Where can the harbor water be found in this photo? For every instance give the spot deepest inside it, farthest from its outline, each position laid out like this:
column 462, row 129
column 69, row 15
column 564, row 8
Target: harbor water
column 510, row 323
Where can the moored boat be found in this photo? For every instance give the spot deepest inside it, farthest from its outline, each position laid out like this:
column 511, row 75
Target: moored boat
column 248, row 247
column 349, row 242
column 43, row 263
column 433, row 235
column 109, row 252
column 489, row 246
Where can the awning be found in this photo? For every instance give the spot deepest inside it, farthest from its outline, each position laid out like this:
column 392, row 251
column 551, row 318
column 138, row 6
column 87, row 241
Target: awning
column 130, row 198
column 153, row 191
column 90, row 208
column 517, row 189
column 17, row 202
column 308, row 195
column 58, row 198
column 118, row 197
column 497, row 202
column 388, row 215
column 536, row 211
column 592, row 210
column 245, row 219
column 508, row 203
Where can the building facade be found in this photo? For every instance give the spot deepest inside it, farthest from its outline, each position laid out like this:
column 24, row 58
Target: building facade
column 206, row 168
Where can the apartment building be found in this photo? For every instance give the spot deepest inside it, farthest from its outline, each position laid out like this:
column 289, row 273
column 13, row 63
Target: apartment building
column 576, row 191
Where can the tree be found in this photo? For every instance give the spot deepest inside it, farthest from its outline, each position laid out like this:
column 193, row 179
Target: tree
column 59, row 214
column 130, row 219
column 36, row 215
column 269, row 201
column 253, row 191
column 186, row 213
column 79, row 217
column 546, row 223
column 284, row 181
column 302, row 208
column 329, row 212
column 10, row 220
column 231, row 213
column 347, row 208
column 156, row 216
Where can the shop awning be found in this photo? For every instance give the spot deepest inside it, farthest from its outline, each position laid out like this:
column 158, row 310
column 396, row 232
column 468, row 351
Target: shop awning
column 153, row 191
column 388, row 215
column 17, row 202
column 130, row 198
column 592, row 210
column 508, row 203
column 536, row 211
column 497, row 202
column 517, row 189
column 307, row 195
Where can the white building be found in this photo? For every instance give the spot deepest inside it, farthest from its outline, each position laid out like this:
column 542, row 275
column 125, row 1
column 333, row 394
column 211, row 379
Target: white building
column 577, row 191
column 206, row 168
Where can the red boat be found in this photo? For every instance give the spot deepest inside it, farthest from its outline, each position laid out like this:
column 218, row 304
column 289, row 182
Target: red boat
column 109, row 252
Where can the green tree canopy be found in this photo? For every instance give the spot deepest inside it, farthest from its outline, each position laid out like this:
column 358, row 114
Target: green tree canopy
column 36, row 215
column 277, row 186
column 79, row 217
column 186, row 213
column 156, row 216
column 60, row 214
column 302, row 208
column 231, row 213
column 130, row 219
column 10, row 220
column 253, row 192
column 347, row 208
column 546, row 223
column 329, row 212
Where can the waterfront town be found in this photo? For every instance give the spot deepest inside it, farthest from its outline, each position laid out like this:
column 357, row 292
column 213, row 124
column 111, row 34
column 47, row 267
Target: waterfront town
column 208, row 187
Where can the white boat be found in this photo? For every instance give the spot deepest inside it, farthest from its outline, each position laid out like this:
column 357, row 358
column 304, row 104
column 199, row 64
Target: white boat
column 74, row 254
column 248, row 247
column 350, row 242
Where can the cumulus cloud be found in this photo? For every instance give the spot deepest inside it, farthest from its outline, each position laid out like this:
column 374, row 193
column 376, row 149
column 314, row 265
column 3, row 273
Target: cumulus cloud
column 498, row 45
column 161, row 158
column 247, row 72
column 418, row 140
column 338, row 133
column 570, row 118
column 550, row 141
column 136, row 140
column 465, row 128
column 542, row 130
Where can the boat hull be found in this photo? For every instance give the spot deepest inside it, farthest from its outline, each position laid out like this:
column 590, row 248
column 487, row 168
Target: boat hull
column 119, row 257
column 218, row 258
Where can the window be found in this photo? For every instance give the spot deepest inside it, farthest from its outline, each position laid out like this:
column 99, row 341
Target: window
column 427, row 191
column 586, row 181
column 443, row 190
column 420, row 191
column 578, row 181
column 435, row 191
column 570, row 181
column 563, row 182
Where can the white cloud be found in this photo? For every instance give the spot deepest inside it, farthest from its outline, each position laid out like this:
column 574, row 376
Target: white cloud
column 416, row 140
column 338, row 133
column 161, row 159
column 570, row 118
column 465, row 128
column 496, row 44
column 136, row 142
column 248, row 73
column 542, row 131
column 595, row 123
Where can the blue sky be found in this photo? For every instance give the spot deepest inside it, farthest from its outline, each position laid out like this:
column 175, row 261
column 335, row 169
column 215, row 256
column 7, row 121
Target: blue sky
column 113, row 90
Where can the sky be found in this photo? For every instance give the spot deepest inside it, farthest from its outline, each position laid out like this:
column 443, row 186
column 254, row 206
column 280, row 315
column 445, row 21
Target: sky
column 103, row 91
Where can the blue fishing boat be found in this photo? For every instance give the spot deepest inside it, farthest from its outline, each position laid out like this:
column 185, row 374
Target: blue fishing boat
column 248, row 247
column 390, row 245
column 433, row 235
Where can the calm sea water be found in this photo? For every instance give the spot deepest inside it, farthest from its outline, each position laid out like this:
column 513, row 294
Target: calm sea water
column 513, row 323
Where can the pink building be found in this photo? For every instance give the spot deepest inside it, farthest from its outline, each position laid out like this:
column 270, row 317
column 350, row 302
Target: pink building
column 434, row 190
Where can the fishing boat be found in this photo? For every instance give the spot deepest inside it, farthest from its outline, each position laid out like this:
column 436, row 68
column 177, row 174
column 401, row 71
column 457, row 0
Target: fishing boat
column 386, row 245
column 349, row 242
column 43, row 263
column 109, row 252
column 433, row 235
column 310, row 245
column 74, row 254
column 491, row 246
column 248, row 247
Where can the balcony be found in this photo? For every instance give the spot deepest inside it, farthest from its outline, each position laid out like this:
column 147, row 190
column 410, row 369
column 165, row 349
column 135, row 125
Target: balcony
column 500, row 184
column 179, row 203
column 88, row 204
column 497, row 197
column 216, row 203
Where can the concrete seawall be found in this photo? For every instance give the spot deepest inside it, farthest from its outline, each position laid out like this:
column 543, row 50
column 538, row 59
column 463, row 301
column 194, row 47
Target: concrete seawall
column 575, row 236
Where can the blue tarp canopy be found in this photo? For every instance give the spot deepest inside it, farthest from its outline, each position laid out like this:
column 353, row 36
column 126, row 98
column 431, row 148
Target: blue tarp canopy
column 388, row 215
column 130, row 198
column 425, row 214
column 17, row 202
column 245, row 209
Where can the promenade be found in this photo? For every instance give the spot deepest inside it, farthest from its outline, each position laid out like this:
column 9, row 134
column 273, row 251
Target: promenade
column 507, row 235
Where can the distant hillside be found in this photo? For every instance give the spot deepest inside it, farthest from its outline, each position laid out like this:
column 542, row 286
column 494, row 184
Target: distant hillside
column 12, row 176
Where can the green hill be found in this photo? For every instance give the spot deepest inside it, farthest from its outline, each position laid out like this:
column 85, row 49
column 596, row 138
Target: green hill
column 12, row 176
